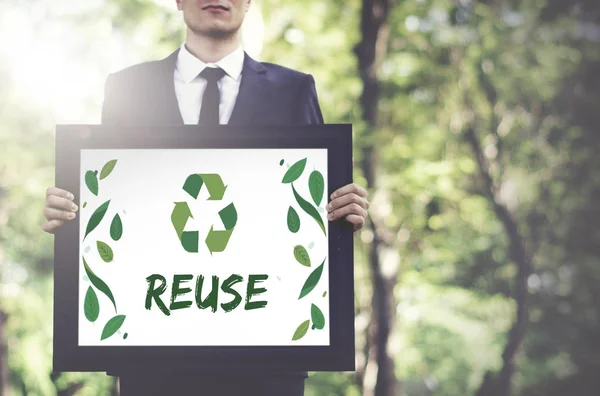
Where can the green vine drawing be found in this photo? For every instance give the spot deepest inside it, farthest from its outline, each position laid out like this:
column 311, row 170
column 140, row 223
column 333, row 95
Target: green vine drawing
column 316, row 187
column 91, row 303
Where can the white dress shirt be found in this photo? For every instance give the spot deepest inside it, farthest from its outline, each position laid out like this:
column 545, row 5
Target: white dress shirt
column 189, row 86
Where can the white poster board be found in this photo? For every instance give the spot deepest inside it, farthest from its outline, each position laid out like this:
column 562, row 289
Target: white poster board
column 156, row 220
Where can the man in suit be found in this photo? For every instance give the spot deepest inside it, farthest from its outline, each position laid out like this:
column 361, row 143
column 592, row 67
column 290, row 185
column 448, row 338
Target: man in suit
column 211, row 80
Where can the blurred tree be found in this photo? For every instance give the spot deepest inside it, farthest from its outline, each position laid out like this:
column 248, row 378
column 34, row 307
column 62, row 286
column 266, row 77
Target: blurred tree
column 3, row 357
column 371, row 51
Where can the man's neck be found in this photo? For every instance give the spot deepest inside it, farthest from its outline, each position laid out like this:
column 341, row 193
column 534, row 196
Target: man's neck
column 209, row 49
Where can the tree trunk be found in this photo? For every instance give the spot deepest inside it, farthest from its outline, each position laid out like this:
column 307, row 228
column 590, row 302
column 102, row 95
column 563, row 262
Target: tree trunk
column 370, row 52
column 116, row 390
column 3, row 357
column 500, row 384
column 3, row 316
column 71, row 390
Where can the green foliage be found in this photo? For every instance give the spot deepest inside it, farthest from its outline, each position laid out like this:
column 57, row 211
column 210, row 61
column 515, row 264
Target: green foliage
column 524, row 73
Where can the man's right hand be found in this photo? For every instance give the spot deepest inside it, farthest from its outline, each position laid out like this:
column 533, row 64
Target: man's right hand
column 59, row 208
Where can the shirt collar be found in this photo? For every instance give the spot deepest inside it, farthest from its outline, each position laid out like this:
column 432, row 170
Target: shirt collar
column 189, row 66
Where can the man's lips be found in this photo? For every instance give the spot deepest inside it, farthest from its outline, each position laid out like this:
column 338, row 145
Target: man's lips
column 215, row 7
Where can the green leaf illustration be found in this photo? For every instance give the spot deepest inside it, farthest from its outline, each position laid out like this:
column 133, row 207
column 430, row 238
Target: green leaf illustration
column 91, row 308
column 99, row 283
column 316, row 186
column 308, row 208
column 96, row 218
column 116, row 228
column 91, row 181
column 317, row 317
column 312, row 280
column 112, row 326
column 107, row 169
column 301, row 330
column 301, row 255
column 293, row 220
column 294, row 172
column 105, row 251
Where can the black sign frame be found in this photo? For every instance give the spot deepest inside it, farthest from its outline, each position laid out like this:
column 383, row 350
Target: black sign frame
column 69, row 356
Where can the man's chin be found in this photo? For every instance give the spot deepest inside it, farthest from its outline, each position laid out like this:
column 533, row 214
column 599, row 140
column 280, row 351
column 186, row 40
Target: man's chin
column 216, row 32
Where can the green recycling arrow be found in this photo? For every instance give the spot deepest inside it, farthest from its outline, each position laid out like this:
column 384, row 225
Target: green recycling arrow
column 180, row 216
column 213, row 182
column 216, row 240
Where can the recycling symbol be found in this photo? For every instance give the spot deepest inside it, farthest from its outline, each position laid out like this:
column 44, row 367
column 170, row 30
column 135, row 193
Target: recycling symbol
column 217, row 240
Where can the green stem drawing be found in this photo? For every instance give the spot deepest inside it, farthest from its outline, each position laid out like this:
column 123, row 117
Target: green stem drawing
column 309, row 209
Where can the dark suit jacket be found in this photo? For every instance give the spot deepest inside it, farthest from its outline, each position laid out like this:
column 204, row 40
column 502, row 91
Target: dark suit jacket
column 269, row 94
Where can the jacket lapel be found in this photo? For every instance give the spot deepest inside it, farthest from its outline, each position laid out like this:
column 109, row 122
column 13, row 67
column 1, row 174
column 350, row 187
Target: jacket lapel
column 169, row 108
column 252, row 93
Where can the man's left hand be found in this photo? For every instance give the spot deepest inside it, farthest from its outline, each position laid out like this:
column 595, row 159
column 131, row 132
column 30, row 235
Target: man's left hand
column 350, row 202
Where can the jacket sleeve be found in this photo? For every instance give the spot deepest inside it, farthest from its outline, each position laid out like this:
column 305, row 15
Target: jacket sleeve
column 308, row 110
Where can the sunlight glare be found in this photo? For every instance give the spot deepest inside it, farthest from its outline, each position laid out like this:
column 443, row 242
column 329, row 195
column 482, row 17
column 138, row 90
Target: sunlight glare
column 60, row 68
column 44, row 69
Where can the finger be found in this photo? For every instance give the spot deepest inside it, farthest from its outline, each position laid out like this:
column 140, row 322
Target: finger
column 357, row 221
column 59, row 192
column 347, row 210
column 347, row 200
column 52, row 226
column 349, row 188
column 54, row 201
column 55, row 214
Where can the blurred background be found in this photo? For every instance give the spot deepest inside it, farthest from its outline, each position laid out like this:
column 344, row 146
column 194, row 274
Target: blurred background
column 475, row 125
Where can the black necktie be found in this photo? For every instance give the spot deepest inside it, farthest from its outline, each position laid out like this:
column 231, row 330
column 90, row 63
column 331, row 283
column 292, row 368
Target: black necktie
column 209, row 112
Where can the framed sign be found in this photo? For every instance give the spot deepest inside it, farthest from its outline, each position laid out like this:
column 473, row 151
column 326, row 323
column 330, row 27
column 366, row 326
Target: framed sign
column 199, row 247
